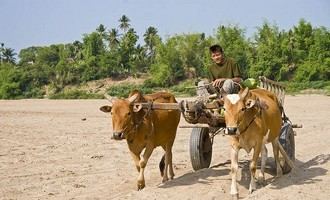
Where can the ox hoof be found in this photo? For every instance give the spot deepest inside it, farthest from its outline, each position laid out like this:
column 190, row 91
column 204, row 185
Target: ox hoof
column 164, row 180
column 279, row 174
column 253, row 186
column 140, row 185
column 252, row 189
column 261, row 180
column 234, row 196
column 262, row 183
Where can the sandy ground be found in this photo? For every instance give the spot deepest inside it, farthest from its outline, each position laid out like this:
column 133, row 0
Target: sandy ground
column 61, row 149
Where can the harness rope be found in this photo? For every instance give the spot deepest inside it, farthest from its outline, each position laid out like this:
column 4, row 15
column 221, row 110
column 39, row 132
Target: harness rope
column 254, row 117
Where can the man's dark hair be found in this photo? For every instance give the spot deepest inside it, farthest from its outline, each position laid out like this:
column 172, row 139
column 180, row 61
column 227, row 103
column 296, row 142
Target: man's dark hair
column 216, row 48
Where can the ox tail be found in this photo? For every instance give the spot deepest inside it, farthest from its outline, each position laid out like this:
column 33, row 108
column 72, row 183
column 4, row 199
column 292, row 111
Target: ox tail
column 162, row 165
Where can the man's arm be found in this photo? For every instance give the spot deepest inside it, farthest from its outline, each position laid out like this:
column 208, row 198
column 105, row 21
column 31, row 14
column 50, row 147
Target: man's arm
column 218, row 82
column 237, row 79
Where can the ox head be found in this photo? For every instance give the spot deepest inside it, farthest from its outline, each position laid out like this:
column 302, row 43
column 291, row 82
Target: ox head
column 235, row 106
column 122, row 111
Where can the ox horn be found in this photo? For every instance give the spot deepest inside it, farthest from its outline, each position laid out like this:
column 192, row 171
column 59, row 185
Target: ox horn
column 109, row 98
column 133, row 98
column 244, row 93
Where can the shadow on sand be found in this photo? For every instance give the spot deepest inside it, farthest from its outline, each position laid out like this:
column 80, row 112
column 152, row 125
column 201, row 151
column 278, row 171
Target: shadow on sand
column 305, row 173
column 200, row 176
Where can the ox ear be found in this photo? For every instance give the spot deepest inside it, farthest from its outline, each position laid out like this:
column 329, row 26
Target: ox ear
column 250, row 103
column 244, row 93
column 133, row 98
column 137, row 107
column 106, row 109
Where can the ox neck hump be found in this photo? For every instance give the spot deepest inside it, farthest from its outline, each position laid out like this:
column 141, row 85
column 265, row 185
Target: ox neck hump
column 233, row 98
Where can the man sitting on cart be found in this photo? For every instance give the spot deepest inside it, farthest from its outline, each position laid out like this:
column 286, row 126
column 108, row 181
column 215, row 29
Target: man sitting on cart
column 225, row 75
column 224, row 72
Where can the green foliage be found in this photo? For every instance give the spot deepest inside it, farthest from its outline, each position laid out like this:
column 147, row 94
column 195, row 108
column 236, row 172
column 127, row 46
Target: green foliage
column 127, row 50
column 28, row 55
column 89, row 69
column 161, row 75
column 151, row 39
column 193, row 54
column 123, row 90
column 8, row 55
column 299, row 55
column 93, row 45
column 178, row 58
column 75, row 94
column 185, row 88
column 235, row 45
column 10, row 85
column 34, row 78
column 112, row 38
column 48, row 55
column 303, row 39
column 267, row 53
column 124, row 23
column 295, row 87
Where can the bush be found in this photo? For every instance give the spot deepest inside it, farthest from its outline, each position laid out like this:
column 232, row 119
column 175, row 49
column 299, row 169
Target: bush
column 75, row 94
column 161, row 75
column 185, row 88
column 10, row 82
column 10, row 91
column 295, row 87
column 34, row 93
column 123, row 90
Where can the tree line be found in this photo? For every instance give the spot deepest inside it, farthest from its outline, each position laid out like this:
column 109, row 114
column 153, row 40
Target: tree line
column 300, row 54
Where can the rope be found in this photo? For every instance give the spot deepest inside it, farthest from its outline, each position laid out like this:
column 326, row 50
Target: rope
column 136, row 125
column 254, row 117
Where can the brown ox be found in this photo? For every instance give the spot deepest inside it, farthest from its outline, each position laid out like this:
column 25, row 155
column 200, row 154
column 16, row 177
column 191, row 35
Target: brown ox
column 253, row 118
column 145, row 128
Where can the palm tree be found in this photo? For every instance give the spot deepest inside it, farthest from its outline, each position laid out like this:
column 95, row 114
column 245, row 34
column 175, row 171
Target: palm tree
column 124, row 25
column 101, row 30
column 140, row 61
column 113, row 38
column 78, row 48
column 150, row 39
column 8, row 55
column 149, row 36
column 1, row 51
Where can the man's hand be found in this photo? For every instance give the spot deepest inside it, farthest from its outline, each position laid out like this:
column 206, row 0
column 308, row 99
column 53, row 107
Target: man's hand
column 218, row 82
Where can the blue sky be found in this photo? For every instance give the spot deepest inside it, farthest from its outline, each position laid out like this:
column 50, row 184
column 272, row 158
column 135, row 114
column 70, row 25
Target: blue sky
column 26, row 23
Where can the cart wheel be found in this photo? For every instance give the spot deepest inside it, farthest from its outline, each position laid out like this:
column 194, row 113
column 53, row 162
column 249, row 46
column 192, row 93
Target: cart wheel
column 288, row 144
column 200, row 148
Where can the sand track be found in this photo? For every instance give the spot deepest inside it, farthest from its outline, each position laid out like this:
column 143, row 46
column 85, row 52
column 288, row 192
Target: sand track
column 61, row 149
